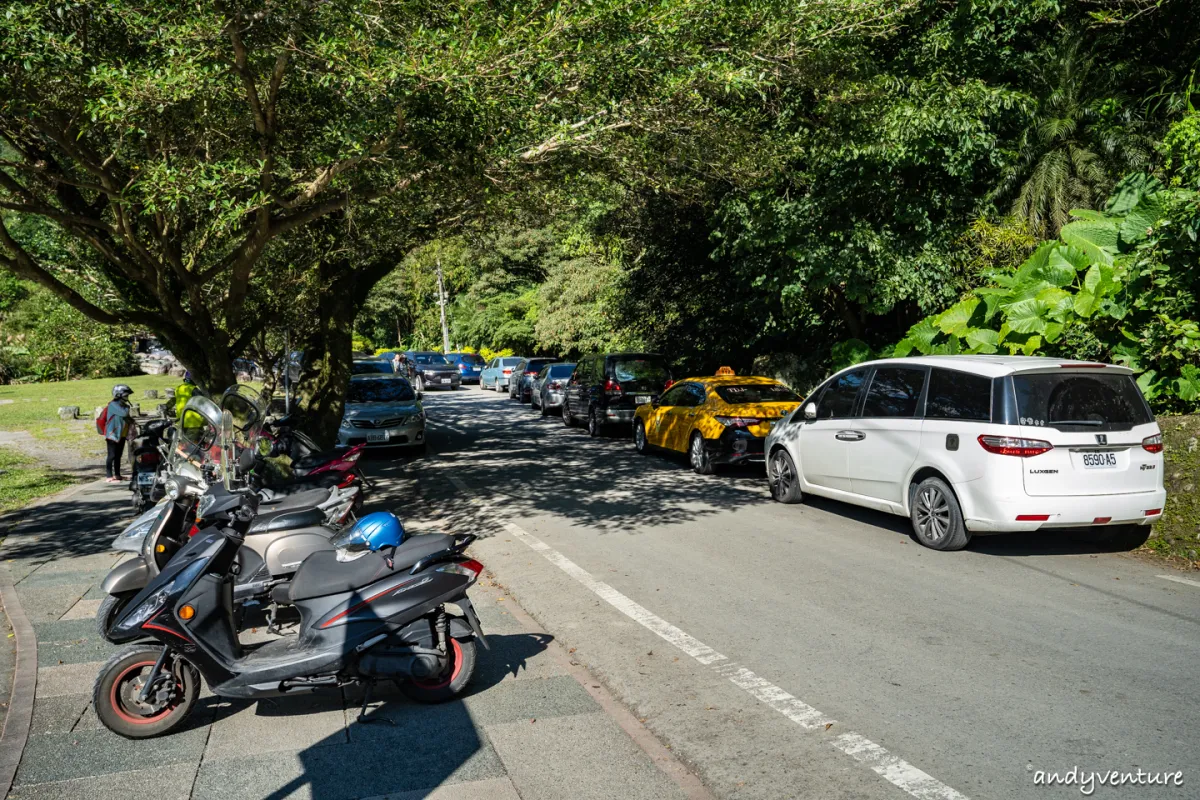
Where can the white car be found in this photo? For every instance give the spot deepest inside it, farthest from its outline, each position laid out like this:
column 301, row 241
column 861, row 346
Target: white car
column 979, row 444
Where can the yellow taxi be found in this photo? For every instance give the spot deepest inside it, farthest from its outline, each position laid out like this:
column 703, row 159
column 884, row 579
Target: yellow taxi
column 720, row 419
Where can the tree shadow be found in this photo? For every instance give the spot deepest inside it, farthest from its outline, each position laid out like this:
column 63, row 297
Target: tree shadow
column 520, row 464
column 79, row 525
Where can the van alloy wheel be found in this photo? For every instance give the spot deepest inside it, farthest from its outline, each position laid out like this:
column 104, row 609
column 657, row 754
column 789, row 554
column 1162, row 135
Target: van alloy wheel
column 933, row 514
column 937, row 518
column 782, row 477
column 594, row 422
column 639, row 436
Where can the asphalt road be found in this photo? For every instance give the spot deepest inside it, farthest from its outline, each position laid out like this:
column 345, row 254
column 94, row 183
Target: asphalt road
column 971, row 670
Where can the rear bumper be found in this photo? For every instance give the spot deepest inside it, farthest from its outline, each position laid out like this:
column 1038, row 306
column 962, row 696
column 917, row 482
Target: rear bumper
column 999, row 514
column 619, row 415
column 736, row 447
column 405, row 435
column 551, row 399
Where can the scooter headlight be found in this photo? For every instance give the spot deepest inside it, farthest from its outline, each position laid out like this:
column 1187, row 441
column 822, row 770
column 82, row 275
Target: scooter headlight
column 151, row 606
column 130, row 540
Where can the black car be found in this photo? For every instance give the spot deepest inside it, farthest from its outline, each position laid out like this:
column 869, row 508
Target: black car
column 608, row 387
column 432, row 371
column 520, row 386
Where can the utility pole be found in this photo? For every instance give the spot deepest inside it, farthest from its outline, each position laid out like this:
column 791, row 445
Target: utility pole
column 442, row 303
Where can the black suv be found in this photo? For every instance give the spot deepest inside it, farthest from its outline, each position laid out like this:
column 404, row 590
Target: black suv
column 432, row 371
column 607, row 388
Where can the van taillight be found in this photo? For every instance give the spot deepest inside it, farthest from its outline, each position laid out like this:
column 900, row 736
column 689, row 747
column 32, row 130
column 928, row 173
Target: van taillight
column 612, row 387
column 1153, row 444
column 668, row 384
column 1013, row 446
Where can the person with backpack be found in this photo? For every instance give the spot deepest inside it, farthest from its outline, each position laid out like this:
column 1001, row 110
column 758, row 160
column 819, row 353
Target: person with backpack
column 116, row 422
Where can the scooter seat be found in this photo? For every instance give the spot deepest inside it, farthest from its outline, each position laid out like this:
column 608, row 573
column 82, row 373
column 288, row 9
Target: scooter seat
column 291, row 502
column 287, row 520
column 322, row 574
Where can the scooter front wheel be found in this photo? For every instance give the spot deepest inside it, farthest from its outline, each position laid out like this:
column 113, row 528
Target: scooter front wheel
column 116, row 695
column 110, row 609
column 451, row 682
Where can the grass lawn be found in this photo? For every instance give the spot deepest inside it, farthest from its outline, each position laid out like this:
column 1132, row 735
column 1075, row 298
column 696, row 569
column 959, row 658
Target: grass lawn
column 34, row 407
column 22, row 480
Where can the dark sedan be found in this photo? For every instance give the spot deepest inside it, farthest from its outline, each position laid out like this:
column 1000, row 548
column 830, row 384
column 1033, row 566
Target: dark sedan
column 432, row 371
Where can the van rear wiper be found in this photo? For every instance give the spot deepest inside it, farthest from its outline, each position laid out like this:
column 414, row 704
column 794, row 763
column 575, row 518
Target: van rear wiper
column 1093, row 422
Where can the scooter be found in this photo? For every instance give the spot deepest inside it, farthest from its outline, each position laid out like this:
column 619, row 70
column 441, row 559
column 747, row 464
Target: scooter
column 146, row 458
column 279, row 538
column 379, row 617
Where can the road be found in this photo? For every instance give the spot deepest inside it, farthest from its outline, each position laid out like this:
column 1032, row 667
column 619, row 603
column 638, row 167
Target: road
column 815, row 650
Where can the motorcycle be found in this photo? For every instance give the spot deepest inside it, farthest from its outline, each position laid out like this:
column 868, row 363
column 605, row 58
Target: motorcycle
column 381, row 616
column 146, row 458
column 287, row 529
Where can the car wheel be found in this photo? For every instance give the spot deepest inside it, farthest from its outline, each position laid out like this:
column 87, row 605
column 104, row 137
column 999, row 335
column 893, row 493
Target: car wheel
column 698, row 455
column 566, row 415
column 595, row 427
column 937, row 518
column 1117, row 537
column 418, row 384
column 639, row 437
column 783, row 477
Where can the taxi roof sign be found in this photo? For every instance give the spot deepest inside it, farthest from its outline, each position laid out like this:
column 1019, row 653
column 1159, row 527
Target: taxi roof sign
column 725, row 371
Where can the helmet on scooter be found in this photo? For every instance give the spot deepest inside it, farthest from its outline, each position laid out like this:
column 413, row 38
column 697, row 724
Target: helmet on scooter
column 370, row 534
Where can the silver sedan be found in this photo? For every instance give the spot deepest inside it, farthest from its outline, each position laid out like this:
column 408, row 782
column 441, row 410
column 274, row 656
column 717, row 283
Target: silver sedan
column 548, row 386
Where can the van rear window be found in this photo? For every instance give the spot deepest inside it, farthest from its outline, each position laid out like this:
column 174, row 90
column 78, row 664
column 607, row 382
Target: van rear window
column 640, row 368
column 1080, row 402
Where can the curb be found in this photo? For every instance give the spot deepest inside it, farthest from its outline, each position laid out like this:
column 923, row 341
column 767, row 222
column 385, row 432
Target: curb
column 20, row 705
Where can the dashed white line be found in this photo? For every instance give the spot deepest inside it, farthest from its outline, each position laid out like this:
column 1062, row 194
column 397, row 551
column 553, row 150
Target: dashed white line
column 1177, row 579
column 888, row 766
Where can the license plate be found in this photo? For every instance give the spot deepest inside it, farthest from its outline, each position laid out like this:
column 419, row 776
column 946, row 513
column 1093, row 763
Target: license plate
column 377, row 436
column 1099, row 460
column 642, row 399
column 145, row 479
column 445, row 380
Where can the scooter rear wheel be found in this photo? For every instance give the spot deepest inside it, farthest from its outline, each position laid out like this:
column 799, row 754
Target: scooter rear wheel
column 115, row 693
column 449, row 684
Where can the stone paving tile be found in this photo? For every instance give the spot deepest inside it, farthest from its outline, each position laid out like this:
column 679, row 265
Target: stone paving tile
column 495, row 789
column 59, row 714
column 79, row 651
column 48, row 603
column 539, row 756
column 67, row 679
column 532, row 699
column 172, row 782
column 84, row 609
column 282, row 723
column 97, row 563
column 514, row 656
column 44, row 577
column 81, row 754
column 413, row 758
column 65, row 630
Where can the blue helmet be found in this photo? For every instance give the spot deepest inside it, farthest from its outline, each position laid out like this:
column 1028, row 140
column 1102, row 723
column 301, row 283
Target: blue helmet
column 371, row 533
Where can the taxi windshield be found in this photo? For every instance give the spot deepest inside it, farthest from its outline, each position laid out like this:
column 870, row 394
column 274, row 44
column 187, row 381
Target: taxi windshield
column 757, row 393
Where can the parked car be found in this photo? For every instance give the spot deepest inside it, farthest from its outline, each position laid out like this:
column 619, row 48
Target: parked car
column 548, row 386
column 382, row 410
column 496, row 374
column 432, row 371
column 521, row 386
column 371, row 366
column 469, row 365
column 608, row 387
column 979, row 444
column 722, row 419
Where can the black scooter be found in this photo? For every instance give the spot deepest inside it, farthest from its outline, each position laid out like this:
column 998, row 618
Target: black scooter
column 381, row 616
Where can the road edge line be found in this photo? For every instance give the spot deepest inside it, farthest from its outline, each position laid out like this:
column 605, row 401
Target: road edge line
column 1176, row 579
column 19, row 717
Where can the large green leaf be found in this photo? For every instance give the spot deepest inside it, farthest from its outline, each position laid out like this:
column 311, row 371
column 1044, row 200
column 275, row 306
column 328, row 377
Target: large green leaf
column 903, row 348
column 1027, row 316
column 982, row 340
column 1092, row 280
column 1058, row 302
column 1064, row 264
column 1129, row 192
column 1142, row 218
column 1053, row 331
column 955, row 320
column 1085, row 303
column 1097, row 239
column 922, row 335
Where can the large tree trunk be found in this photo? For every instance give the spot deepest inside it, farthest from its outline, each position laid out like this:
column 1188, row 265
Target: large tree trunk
column 328, row 356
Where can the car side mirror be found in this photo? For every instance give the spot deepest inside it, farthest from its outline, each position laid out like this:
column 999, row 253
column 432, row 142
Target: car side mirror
column 810, row 411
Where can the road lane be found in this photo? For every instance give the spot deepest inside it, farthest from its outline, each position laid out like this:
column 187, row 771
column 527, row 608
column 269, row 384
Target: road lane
column 976, row 667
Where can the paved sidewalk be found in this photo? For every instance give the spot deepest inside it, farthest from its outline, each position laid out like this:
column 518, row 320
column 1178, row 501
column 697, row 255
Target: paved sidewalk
column 528, row 728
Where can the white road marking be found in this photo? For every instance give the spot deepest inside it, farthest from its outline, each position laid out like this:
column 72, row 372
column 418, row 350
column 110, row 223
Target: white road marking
column 1180, row 580
column 891, row 768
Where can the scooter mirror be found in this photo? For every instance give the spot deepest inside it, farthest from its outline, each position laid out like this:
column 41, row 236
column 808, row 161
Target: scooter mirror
column 227, row 460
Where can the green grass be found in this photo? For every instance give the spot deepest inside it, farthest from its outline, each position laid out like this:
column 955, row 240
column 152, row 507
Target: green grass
column 34, row 407
column 22, row 481
column 1177, row 534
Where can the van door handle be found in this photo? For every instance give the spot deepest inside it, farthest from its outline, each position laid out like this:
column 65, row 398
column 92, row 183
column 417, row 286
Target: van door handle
column 850, row 436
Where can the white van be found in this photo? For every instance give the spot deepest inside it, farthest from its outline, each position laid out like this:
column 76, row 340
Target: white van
column 979, row 444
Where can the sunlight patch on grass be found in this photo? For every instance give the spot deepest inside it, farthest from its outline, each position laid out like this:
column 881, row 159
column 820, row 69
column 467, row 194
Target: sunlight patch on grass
column 23, row 480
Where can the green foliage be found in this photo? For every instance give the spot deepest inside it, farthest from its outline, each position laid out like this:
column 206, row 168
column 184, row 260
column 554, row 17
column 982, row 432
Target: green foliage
column 42, row 338
column 1120, row 285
